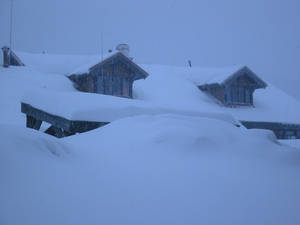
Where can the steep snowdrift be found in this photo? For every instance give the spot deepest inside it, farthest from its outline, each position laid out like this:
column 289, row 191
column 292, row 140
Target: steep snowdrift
column 156, row 170
column 20, row 142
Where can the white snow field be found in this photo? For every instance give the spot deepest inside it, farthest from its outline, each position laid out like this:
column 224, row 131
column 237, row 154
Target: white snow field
column 179, row 161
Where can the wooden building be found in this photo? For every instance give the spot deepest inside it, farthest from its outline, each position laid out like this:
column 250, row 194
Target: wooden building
column 281, row 130
column 235, row 89
column 112, row 76
column 60, row 126
column 10, row 58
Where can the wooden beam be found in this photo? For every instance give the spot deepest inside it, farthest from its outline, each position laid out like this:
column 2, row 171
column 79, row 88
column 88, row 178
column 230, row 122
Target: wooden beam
column 279, row 129
column 38, row 114
column 60, row 127
column 33, row 123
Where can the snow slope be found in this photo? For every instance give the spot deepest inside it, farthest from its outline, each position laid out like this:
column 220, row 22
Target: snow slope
column 16, row 81
column 271, row 104
column 62, row 64
column 104, row 108
column 174, row 86
column 156, row 168
column 55, row 63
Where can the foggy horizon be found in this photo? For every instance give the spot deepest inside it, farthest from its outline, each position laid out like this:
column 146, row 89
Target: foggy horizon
column 263, row 35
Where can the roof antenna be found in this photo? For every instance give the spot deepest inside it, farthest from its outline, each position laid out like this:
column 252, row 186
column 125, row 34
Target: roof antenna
column 102, row 78
column 101, row 46
column 11, row 22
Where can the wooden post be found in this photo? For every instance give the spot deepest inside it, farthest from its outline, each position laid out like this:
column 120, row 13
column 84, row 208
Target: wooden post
column 33, row 123
column 55, row 131
column 6, row 56
column 59, row 132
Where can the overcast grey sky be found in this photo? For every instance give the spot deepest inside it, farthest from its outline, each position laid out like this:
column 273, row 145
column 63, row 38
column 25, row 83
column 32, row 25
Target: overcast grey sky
column 263, row 34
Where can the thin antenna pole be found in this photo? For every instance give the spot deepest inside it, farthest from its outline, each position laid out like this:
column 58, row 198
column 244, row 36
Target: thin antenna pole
column 102, row 77
column 11, row 23
column 101, row 46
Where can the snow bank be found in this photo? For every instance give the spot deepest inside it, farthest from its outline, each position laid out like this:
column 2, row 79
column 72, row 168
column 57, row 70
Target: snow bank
column 16, row 81
column 294, row 143
column 191, row 167
column 19, row 142
column 155, row 170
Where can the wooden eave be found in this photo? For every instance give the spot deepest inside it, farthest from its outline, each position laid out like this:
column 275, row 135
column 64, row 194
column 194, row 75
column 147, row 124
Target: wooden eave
column 128, row 61
column 260, row 83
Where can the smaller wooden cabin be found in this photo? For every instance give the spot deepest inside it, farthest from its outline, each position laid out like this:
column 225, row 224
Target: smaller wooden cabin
column 235, row 89
column 112, row 76
column 10, row 58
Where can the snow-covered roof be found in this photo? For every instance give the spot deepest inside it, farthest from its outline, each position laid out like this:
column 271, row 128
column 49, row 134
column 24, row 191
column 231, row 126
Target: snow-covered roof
column 104, row 108
column 80, row 64
column 71, row 64
column 139, row 72
column 61, row 63
column 212, row 75
column 202, row 75
column 175, row 87
column 84, row 68
column 170, row 87
column 227, row 77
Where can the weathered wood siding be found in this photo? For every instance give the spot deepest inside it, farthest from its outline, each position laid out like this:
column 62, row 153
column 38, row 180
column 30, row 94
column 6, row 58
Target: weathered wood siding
column 112, row 76
column 88, row 85
column 216, row 91
column 84, row 83
column 60, row 126
column 281, row 130
column 114, row 79
column 10, row 58
column 6, row 61
column 240, row 91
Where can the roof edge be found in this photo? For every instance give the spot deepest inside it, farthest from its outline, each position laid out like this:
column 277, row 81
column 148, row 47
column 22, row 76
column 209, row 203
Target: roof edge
column 236, row 74
column 126, row 58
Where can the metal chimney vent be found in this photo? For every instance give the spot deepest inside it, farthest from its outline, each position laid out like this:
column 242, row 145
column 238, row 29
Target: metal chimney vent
column 123, row 48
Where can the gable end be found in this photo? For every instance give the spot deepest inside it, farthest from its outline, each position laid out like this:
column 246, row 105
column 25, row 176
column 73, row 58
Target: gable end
column 138, row 72
column 259, row 83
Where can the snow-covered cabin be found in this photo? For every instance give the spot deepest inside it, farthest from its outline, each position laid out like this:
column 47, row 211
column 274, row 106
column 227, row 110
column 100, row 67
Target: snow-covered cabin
column 10, row 58
column 229, row 86
column 113, row 75
column 235, row 88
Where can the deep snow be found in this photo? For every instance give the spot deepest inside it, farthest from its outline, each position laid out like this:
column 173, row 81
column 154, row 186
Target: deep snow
column 152, row 170
column 161, row 168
